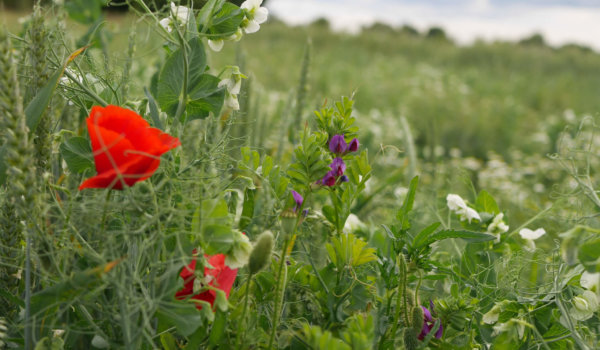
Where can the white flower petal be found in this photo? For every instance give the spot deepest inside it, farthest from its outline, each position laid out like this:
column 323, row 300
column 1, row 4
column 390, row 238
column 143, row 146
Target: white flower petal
column 166, row 23
column 251, row 27
column 261, row 14
column 216, row 45
column 251, row 4
column 590, row 281
column 235, row 86
column 529, row 234
column 455, row 202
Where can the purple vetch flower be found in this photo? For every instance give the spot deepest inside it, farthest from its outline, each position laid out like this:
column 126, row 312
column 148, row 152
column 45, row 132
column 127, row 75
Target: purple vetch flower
column 344, row 178
column 305, row 213
column 353, row 147
column 428, row 324
column 338, row 166
column 329, row 179
column 337, row 144
column 298, row 199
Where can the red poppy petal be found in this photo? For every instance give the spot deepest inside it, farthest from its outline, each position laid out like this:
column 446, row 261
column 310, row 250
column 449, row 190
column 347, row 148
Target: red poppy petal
column 118, row 119
column 110, row 148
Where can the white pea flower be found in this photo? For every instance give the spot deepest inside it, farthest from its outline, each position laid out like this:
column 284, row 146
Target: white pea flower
column 216, row 45
column 584, row 306
column 468, row 214
column 491, row 316
column 455, row 202
column 231, row 101
column 240, row 253
column 237, row 36
column 181, row 13
column 533, row 235
column 498, row 226
column 353, row 223
column 590, row 281
column 529, row 236
column 255, row 15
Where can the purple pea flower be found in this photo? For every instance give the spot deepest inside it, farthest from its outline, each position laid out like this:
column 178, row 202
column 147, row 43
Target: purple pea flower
column 337, row 144
column 428, row 323
column 298, row 199
column 338, row 166
column 329, row 179
column 353, row 147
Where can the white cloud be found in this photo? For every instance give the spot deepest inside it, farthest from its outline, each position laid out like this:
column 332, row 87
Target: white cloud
column 465, row 21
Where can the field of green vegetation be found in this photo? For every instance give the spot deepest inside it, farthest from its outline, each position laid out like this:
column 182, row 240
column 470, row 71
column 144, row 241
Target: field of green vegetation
column 298, row 188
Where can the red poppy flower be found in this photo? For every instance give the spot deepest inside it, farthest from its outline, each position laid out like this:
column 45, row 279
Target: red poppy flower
column 126, row 149
column 220, row 276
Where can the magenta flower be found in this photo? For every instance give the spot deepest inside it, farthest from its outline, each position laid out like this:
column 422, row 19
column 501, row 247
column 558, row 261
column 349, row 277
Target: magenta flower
column 298, row 199
column 353, row 147
column 329, row 179
column 428, row 323
column 338, row 166
column 337, row 144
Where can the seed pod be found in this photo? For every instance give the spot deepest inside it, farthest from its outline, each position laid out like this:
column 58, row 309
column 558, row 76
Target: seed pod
column 410, row 339
column 417, row 319
column 261, row 253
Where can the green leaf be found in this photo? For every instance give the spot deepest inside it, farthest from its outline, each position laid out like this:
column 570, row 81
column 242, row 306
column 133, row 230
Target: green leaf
column 205, row 15
column 486, row 203
column 218, row 328
column 168, row 341
column 227, row 21
column 247, row 209
column 154, row 113
column 183, row 316
column 469, row 236
column 407, row 206
column 36, row 108
column 202, row 91
column 589, row 255
column 421, row 237
column 77, row 152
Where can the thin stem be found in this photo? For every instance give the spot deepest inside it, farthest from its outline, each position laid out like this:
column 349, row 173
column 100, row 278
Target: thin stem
column 87, row 90
column 278, row 293
column 242, row 334
column 28, row 325
column 105, row 210
column 319, row 278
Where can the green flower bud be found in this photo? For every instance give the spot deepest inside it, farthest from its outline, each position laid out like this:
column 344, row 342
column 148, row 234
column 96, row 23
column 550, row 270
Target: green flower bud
column 261, row 253
column 418, row 318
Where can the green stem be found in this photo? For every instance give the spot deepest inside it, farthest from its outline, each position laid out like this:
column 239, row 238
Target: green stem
column 184, row 87
column 105, row 210
column 242, row 334
column 319, row 278
column 28, row 325
column 87, row 90
column 278, row 294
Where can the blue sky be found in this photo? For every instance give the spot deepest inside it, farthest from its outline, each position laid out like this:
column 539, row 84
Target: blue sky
column 560, row 21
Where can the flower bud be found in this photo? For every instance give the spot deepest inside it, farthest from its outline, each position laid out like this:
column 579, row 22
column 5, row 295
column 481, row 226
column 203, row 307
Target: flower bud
column 418, row 318
column 353, row 146
column 261, row 253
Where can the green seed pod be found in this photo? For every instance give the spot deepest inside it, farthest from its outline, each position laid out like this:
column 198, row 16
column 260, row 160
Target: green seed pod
column 410, row 339
column 417, row 319
column 261, row 253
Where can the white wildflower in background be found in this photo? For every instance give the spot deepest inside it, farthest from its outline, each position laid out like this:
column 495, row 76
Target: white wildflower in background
column 181, row 13
column 584, row 306
column 255, row 15
column 240, row 253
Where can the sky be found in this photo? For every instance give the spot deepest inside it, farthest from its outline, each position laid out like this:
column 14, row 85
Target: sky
column 559, row 21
